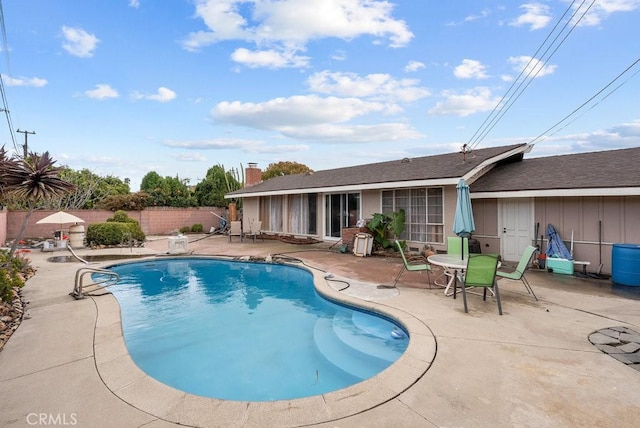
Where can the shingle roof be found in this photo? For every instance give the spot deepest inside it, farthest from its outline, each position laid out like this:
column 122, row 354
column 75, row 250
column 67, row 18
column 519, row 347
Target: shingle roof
column 443, row 166
column 606, row 169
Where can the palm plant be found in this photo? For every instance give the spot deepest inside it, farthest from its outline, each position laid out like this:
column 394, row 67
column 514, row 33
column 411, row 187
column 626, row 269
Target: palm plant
column 32, row 179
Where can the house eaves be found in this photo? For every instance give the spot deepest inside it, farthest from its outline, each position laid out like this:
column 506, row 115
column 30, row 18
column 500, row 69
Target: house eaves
column 438, row 170
column 605, row 173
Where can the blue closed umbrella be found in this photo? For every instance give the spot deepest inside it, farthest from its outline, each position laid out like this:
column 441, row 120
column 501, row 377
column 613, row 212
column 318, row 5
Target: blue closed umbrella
column 463, row 224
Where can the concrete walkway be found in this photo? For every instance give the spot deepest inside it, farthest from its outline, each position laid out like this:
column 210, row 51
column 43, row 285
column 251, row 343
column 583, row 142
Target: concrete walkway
column 67, row 365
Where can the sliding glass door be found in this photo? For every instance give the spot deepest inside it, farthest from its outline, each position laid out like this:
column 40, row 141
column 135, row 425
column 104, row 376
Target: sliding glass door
column 341, row 210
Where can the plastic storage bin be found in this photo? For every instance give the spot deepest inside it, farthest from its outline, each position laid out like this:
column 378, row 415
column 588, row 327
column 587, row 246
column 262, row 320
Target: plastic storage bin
column 558, row 265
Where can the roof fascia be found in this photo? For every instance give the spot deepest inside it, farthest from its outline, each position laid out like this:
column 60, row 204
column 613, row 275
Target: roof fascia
column 353, row 187
column 614, row 191
column 488, row 164
column 476, row 172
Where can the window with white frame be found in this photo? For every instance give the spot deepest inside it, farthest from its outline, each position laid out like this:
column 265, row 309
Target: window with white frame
column 423, row 209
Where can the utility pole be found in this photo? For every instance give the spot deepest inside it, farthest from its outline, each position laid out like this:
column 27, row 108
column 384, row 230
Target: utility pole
column 25, row 147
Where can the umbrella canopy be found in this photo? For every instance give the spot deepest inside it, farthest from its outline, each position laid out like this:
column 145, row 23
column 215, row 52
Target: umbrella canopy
column 60, row 217
column 463, row 224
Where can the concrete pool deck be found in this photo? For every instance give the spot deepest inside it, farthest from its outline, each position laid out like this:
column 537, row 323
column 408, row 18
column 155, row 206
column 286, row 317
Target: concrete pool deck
column 534, row 366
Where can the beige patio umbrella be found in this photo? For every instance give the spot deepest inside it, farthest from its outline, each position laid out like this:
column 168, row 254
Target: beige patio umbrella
column 60, row 218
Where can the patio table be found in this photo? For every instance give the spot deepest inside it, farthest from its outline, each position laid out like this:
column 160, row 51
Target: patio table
column 453, row 264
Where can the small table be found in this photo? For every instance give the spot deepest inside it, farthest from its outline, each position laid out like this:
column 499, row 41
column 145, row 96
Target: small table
column 450, row 262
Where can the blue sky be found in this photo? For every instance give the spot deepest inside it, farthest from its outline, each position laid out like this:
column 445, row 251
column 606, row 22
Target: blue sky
column 126, row 87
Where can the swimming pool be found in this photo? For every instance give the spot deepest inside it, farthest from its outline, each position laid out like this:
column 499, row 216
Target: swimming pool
column 247, row 331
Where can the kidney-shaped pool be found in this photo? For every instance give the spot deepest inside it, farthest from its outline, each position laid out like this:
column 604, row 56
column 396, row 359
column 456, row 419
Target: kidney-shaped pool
column 247, row 331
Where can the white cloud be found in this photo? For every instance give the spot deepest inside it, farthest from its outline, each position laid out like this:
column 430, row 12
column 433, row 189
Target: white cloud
column 78, row 42
column 190, row 157
column 470, row 69
column 134, row 3
column 620, row 136
column 293, row 111
column 375, row 86
column 601, row 10
column 330, row 133
column 247, row 146
column 314, row 118
column 471, row 18
column 286, row 26
column 465, row 104
column 536, row 16
column 269, row 58
column 101, row 92
column 24, row 81
column 339, row 55
column 532, row 66
column 163, row 95
column 413, row 66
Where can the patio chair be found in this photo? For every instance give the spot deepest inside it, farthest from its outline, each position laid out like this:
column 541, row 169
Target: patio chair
column 454, row 246
column 255, row 230
column 480, row 272
column 411, row 267
column 235, row 230
column 522, row 267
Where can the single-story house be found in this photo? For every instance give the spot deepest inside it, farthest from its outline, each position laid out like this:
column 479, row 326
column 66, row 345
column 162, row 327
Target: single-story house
column 595, row 196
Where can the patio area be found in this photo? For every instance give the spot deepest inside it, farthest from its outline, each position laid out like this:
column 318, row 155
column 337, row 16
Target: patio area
column 534, row 366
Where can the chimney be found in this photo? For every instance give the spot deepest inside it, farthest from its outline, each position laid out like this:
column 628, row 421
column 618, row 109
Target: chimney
column 252, row 175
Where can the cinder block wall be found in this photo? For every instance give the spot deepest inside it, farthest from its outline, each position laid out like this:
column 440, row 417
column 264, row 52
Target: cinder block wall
column 153, row 221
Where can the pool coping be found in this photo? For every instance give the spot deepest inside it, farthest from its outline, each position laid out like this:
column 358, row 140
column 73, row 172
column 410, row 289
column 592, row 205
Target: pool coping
column 126, row 380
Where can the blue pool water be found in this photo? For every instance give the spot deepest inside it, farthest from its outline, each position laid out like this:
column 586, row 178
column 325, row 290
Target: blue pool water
column 247, row 331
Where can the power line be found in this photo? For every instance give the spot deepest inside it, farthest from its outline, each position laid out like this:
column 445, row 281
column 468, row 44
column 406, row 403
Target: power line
column 5, row 103
column 576, row 110
column 532, row 72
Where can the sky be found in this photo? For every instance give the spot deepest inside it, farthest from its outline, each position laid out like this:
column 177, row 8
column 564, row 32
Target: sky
column 126, row 87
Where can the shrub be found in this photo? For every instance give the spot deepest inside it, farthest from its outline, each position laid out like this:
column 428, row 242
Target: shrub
column 185, row 229
column 385, row 226
column 117, row 230
column 196, row 228
column 111, row 233
column 12, row 273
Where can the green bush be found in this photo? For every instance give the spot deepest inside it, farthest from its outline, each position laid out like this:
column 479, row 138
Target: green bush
column 196, row 228
column 185, row 229
column 117, row 230
column 11, row 274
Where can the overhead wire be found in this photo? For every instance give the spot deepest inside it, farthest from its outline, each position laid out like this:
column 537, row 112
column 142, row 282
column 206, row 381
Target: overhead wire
column 544, row 135
column 532, row 69
column 3, row 94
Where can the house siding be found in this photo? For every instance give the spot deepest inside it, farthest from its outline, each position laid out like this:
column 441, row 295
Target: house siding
column 581, row 215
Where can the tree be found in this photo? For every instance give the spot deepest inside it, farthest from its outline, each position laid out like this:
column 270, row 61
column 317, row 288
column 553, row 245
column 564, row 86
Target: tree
column 167, row 191
column 90, row 189
column 217, row 183
column 284, row 168
column 33, row 179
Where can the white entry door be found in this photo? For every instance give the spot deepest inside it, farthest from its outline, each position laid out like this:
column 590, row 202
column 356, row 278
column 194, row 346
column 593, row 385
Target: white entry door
column 517, row 227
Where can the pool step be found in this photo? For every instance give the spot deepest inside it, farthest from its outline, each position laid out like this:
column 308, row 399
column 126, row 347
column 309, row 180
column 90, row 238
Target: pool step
column 356, row 351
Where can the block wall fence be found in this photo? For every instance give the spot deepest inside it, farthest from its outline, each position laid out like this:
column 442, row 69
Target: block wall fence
column 153, row 220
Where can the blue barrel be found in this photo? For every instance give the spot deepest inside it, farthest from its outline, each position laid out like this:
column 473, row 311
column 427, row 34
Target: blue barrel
column 625, row 264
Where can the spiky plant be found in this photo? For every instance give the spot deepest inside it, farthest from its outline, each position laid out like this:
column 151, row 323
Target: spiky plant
column 32, row 179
